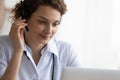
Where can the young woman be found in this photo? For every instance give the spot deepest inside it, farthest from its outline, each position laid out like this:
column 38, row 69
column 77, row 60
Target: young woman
column 30, row 52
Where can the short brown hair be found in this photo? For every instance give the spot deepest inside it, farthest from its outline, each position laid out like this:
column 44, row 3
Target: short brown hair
column 27, row 7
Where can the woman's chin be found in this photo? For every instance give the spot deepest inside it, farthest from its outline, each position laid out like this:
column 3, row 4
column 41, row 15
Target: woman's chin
column 45, row 41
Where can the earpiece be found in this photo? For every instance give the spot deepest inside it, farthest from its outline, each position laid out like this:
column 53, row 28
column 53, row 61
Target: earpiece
column 26, row 29
column 24, row 17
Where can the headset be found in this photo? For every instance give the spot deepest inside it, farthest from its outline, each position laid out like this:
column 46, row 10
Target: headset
column 52, row 78
column 24, row 14
column 23, row 9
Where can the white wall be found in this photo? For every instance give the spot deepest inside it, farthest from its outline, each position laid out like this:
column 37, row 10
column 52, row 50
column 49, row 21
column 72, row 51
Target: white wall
column 9, row 4
column 92, row 26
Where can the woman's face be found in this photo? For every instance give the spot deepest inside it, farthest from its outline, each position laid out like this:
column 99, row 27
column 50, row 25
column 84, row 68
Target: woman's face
column 43, row 24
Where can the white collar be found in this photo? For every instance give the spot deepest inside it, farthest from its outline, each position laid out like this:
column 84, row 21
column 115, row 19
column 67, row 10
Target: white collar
column 50, row 47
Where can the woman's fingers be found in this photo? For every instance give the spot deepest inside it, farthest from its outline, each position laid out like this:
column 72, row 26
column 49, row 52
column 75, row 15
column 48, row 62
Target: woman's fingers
column 18, row 24
column 17, row 33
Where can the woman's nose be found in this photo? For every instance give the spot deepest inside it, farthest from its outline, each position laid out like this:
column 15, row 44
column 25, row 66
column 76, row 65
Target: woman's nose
column 48, row 29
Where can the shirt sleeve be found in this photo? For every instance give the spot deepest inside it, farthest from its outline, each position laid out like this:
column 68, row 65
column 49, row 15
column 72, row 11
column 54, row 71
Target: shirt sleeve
column 3, row 59
column 73, row 59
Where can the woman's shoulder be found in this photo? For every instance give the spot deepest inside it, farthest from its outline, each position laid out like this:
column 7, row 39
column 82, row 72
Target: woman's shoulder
column 62, row 43
column 4, row 39
column 63, row 46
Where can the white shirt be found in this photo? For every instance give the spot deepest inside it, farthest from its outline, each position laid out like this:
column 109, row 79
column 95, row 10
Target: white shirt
column 64, row 55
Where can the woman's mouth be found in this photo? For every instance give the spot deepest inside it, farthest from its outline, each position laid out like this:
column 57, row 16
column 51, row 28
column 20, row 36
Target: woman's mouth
column 45, row 36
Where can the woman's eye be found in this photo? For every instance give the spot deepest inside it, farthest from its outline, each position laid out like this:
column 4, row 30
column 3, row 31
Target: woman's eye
column 55, row 24
column 40, row 21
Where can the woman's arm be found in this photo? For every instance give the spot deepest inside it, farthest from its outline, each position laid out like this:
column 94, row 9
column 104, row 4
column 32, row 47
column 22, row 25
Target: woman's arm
column 12, row 70
column 17, row 38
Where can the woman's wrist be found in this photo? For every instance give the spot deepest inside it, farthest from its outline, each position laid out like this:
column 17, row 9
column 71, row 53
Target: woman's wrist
column 19, row 51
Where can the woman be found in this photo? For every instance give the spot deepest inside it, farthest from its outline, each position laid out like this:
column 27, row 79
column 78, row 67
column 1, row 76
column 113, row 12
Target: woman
column 30, row 52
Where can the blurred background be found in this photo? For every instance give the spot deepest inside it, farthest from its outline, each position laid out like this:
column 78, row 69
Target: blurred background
column 91, row 26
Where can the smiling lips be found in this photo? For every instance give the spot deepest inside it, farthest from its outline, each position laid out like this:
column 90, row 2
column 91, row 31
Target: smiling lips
column 45, row 36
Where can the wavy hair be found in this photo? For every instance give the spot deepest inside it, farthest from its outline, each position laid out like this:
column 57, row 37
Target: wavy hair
column 27, row 7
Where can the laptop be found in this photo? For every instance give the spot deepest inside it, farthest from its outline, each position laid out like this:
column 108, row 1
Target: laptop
column 70, row 73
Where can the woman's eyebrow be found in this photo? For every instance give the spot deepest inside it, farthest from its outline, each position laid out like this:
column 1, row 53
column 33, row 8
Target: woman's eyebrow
column 43, row 18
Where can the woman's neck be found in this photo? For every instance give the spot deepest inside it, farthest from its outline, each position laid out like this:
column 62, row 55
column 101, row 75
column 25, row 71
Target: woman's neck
column 34, row 44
